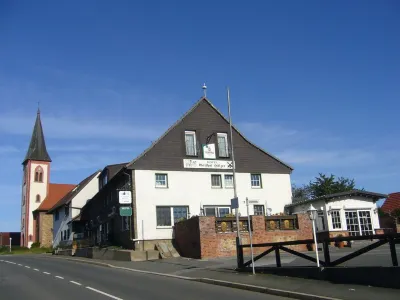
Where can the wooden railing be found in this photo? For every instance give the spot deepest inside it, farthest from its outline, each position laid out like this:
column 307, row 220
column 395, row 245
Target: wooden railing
column 228, row 225
column 288, row 222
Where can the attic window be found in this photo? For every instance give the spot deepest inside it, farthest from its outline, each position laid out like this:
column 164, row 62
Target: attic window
column 38, row 198
column 38, row 174
column 190, row 143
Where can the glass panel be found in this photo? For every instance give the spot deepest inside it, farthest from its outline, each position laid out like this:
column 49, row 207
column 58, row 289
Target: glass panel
column 216, row 180
column 190, row 142
column 255, row 180
column 259, row 210
column 222, row 145
column 180, row 212
column 352, row 223
column 209, row 211
column 223, row 211
column 161, row 180
column 228, row 180
column 365, row 222
column 163, row 216
column 336, row 222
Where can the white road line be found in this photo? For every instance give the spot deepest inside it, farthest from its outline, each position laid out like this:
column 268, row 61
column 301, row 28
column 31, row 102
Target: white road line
column 47, row 273
column 59, row 277
column 36, row 269
column 20, row 265
column 27, row 267
column 105, row 294
column 74, row 282
column 12, row 263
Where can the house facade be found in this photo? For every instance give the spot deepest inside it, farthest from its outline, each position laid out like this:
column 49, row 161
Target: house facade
column 38, row 194
column 188, row 172
column 353, row 213
column 68, row 208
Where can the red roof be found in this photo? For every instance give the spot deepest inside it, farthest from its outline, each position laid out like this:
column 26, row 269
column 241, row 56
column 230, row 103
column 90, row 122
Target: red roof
column 391, row 203
column 56, row 192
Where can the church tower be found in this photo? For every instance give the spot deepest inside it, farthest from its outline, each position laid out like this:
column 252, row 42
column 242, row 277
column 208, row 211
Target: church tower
column 35, row 183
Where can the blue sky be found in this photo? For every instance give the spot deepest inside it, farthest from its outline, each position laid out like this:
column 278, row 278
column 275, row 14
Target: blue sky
column 316, row 83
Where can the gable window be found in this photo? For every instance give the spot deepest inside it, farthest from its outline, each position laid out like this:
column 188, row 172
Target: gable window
column 167, row 214
column 336, row 222
column 259, row 210
column 216, row 181
column 228, row 181
column 217, row 211
column 161, row 180
column 38, row 174
column 57, row 215
column 190, row 143
column 222, row 144
column 255, row 180
column 37, row 198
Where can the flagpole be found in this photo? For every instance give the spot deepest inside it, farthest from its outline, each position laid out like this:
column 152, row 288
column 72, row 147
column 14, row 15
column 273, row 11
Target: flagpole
column 233, row 166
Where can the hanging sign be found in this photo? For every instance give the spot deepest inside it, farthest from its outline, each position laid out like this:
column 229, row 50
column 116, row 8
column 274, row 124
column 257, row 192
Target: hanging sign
column 209, row 151
column 125, row 197
column 125, row 211
column 207, row 164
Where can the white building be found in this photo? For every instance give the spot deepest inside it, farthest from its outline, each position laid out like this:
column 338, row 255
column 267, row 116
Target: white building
column 355, row 212
column 69, row 208
column 186, row 172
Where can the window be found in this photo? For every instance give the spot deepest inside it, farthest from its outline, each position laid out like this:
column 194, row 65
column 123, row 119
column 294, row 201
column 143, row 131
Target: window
column 216, row 181
column 336, row 223
column 259, row 210
column 66, row 210
column 190, row 143
column 124, row 223
column 228, row 181
column 37, row 198
column 68, row 234
column 161, row 180
column 222, row 145
column 167, row 214
column 38, row 174
column 255, row 180
column 217, row 211
column 57, row 215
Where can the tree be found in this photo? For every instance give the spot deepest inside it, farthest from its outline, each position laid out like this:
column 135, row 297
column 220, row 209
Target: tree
column 321, row 186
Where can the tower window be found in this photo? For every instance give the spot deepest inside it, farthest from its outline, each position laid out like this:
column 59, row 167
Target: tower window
column 37, row 198
column 39, row 174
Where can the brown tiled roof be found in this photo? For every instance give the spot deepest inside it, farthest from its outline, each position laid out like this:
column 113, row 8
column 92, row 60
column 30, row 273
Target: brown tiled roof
column 114, row 169
column 56, row 192
column 70, row 195
column 391, row 203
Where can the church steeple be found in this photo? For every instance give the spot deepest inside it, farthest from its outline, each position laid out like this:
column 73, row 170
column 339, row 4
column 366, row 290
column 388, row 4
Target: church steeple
column 37, row 147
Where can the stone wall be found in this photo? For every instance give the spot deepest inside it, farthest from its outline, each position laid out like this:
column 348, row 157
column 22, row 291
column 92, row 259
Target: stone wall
column 45, row 230
column 197, row 237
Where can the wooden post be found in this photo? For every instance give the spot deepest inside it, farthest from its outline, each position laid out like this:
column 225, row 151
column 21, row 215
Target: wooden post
column 327, row 255
column 393, row 252
column 278, row 257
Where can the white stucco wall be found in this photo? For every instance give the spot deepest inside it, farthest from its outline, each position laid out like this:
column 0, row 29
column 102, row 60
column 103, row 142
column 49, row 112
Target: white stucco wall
column 343, row 205
column 194, row 189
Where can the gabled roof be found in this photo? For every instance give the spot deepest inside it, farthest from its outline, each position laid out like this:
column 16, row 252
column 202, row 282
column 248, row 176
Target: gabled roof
column 56, row 192
column 355, row 192
column 391, row 203
column 37, row 147
column 75, row 191
column 203, row 99
column 114, row 169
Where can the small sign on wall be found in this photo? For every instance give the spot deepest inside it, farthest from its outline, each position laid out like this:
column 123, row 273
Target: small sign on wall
column 209, row 151
column 125, row 197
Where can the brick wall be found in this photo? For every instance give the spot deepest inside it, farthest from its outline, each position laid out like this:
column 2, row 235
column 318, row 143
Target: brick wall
column 45, row 230
column 197, row 237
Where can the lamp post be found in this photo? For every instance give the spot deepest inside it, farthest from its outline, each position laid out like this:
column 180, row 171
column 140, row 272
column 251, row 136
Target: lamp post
column 312, row 213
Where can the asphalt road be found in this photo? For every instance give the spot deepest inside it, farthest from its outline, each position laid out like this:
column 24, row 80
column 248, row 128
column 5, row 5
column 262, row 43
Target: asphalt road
column 34, row 277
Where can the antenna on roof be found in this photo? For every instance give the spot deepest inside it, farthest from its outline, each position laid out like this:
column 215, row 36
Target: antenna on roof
column 204, row 87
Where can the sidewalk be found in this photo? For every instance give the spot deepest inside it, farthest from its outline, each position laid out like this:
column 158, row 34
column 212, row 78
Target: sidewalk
column 213, row 271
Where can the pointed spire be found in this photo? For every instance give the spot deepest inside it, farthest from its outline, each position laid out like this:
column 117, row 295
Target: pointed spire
column 37, row 147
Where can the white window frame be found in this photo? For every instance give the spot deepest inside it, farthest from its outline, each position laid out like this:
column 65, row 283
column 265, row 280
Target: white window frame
column 193, row 133
column 166, row 181
column 263, row 209
column 171, row 209
column 336, row 219
column 216, row 209
column 260, row 181
column 227, row 186
column 225, row 136
column 220, row 181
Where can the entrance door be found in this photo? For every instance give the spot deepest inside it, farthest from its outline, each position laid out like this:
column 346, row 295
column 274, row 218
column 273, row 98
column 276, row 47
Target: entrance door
column 359, row 222
column 353, row 226
column 365, row 222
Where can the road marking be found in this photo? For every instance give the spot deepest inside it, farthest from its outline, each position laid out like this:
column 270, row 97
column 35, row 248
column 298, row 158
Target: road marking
column 74, row 282
column 20, row 265
column 36, row 269
column 47, row 273
column 59, row 277
column 12, row 263
column 27, row 267
column 105, row 294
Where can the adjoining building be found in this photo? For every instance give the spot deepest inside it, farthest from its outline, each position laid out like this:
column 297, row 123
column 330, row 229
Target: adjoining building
column 353, row 213
column 186, row 172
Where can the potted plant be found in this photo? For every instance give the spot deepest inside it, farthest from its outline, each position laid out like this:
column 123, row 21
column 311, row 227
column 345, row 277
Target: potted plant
column 339, row 244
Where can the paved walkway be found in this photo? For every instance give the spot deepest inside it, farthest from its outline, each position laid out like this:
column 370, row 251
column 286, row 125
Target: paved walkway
column 222, row 270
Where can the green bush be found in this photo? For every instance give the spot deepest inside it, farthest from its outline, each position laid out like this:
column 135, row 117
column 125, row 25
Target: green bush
column 35, row 245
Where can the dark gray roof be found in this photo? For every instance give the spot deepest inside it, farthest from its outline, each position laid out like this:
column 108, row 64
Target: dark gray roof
column 68, row 197
column 37, row 147
column 355, row 192
column 114, row 169
column 129, row 165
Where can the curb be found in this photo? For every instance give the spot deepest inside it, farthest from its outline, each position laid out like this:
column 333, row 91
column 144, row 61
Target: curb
column 241, row 286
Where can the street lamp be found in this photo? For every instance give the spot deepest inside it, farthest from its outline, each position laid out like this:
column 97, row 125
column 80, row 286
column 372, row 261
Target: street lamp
column 312, row 213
